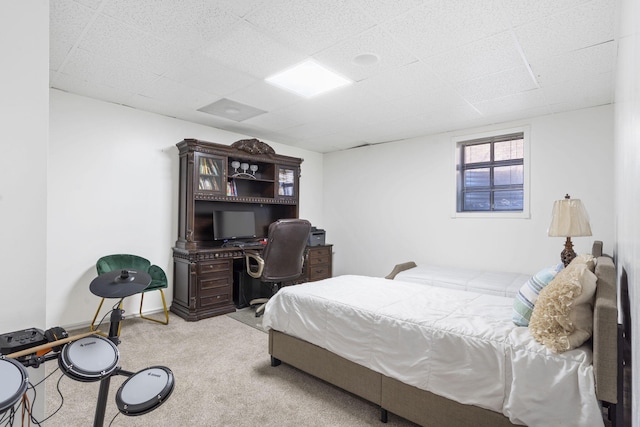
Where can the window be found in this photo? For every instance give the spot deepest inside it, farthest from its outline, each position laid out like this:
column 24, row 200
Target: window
column 491, row 174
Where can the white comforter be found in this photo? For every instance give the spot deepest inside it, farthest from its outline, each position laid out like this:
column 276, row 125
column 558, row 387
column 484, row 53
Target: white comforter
column 457, row 344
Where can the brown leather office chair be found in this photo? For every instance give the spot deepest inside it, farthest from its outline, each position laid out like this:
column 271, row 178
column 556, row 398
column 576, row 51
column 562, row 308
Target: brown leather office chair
column 282, row 258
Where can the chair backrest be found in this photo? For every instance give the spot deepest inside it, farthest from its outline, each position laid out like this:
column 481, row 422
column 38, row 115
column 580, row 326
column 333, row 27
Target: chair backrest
column 121, row 261
column 283, row 255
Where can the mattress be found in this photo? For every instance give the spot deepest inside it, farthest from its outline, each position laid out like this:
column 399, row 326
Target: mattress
column 484, row 282
column 457, row 344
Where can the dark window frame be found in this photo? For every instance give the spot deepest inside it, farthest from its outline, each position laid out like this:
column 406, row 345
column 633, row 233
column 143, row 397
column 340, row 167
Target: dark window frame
column 491, row 164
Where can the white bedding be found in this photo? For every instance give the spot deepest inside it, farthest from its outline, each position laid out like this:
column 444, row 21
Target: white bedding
column 460, row 345
column 484, row 282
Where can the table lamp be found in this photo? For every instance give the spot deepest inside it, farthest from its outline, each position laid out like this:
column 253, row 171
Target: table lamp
column 569, row 219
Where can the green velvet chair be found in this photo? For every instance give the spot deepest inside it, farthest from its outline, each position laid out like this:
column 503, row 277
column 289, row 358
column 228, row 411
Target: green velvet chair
column 133, row 262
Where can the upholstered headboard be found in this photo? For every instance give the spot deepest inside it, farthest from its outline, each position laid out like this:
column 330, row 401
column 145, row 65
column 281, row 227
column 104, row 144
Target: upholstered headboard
column 605, row 328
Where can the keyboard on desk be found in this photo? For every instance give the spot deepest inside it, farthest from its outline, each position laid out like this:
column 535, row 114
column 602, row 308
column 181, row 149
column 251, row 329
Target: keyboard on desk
column 241, row 244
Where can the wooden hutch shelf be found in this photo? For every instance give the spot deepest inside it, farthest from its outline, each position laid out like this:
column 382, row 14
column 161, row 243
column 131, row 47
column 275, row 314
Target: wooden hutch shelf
column 246, row 176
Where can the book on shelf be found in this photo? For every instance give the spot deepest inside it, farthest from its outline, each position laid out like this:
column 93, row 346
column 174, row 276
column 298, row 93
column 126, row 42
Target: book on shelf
column 209, row 167
column 203, row 167
column 208, row 184
column 232, row 190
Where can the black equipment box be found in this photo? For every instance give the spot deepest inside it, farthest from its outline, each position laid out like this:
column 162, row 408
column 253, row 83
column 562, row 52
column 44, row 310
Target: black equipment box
column 21, row 340
column 316, row 237
column 245, row 287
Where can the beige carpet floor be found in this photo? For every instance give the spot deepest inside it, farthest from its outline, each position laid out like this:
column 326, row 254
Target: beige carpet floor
column 223, row 377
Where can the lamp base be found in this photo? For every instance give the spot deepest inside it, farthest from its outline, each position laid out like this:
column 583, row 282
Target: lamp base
column 568, row 254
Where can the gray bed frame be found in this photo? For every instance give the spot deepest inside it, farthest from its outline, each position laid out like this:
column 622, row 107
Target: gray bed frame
column 428, row 409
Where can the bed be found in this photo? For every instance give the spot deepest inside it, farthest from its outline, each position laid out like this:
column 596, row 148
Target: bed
column 458, row 391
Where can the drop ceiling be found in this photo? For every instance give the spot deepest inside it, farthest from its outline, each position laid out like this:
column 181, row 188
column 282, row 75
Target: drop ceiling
column 419, row 67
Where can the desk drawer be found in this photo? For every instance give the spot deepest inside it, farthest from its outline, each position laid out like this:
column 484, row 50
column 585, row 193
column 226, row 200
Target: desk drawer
column 319, row 256
column 207, row 267
column 319, row 272
column 214, row 289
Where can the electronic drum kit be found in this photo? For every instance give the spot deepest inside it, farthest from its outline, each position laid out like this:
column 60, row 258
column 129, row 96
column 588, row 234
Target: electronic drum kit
column 90, row 357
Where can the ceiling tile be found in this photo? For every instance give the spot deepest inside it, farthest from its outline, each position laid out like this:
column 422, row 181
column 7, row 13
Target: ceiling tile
column 440, row 25
column 582, row 26
column 571, row 95
column 487, row 56
column 309, row 25
column 182, row 96
column 596, row 59
column 524, row 11
column 516, row 114
column 386, row 10
column 340, row 57
column 190, row 22
column 93, row 4
column 251, row 51
column 426, row 103
column 115, row 41
column 320, row 127
column 414, row 78
column 92, row 89
column 516, row 102
column 84, row 65
column 199, row 71
column 497, row 85
column 264, row 96
column 240, row 8
column 273, row 121
column 67, row 20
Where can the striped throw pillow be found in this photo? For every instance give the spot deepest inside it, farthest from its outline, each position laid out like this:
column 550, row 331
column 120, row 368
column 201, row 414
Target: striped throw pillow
column 526, row 298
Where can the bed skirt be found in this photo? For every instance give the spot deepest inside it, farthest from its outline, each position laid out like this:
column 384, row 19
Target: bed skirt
column 409, row 402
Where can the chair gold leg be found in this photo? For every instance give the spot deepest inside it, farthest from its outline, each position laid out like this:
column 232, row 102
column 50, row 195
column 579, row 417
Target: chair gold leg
column 164, row 305
column 92, row 327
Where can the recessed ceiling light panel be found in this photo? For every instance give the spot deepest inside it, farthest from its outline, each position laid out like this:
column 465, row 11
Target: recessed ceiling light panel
column 308, row 79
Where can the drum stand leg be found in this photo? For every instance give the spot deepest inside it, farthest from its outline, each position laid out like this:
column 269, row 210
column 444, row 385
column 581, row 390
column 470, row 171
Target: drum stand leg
column 98, row 421
column 103, row 393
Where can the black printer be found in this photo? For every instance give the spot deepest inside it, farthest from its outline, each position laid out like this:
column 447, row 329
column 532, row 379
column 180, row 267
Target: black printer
column 316, row 237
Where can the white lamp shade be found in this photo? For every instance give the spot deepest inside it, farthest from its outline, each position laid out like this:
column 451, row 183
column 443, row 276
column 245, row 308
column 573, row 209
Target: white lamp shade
column 569, row 219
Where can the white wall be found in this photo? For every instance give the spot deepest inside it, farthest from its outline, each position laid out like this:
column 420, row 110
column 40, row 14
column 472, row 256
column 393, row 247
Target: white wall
column 113, row 176
column 23, row 163
column 627, row 176
column 23, row 170
column 391, row 203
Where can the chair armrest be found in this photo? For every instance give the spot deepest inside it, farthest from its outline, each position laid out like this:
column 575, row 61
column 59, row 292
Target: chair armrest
column 254, row 269
column 158, row 276
column 400, row 267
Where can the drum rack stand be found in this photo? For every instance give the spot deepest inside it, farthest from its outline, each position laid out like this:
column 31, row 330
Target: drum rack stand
column 117, row 315
column 114, row 284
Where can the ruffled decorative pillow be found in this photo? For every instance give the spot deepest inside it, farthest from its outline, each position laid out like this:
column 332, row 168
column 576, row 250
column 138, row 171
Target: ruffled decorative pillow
column 526, row 298
column 562, row 318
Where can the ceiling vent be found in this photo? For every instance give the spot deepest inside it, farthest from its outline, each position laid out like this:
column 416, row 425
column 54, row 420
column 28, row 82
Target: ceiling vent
column 231, row 110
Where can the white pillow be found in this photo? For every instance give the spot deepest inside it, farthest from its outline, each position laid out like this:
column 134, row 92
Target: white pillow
column 562, row 318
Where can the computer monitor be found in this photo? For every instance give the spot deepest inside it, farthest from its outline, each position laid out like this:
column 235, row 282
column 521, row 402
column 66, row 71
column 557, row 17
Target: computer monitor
column 230, row 225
